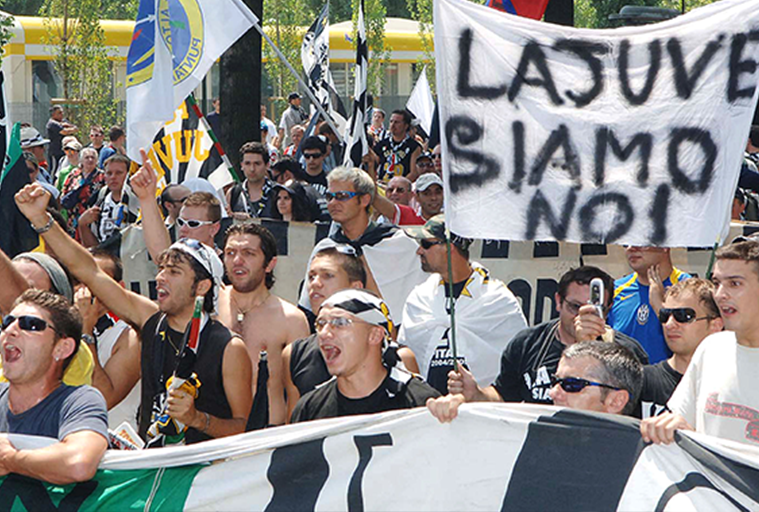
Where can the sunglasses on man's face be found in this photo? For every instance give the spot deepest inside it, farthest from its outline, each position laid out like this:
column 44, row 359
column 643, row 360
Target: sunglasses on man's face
column 192, row 223
column 27, row 323
column 682, row 315
column 342, row 195
column 312, row 155
column 575, row 385
column 427, row 244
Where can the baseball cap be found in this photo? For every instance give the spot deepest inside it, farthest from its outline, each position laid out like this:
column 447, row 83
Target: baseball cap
column 75, row 145
column 293, row 96
column 30, row 138
column 435, row 228
column 426, row 180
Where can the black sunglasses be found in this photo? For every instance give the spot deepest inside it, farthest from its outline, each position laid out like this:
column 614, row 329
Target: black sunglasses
column 682, row 315
column 427, row 244
column 27, row 323
column 575, row 385
column 312, row 155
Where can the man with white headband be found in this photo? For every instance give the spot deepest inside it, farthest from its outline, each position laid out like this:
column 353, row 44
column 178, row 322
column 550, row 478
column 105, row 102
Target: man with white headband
column 353, row 327
column 187, row 269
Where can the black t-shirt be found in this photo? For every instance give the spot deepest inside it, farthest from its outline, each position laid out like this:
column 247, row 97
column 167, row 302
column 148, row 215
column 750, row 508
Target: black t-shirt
column 54, row 129
column 66, row 410
column 160, row 352
column 327, row 402
column 531, row 358
column 307, row 366
column 659, row 382
column 318, row 182
column 395, row 157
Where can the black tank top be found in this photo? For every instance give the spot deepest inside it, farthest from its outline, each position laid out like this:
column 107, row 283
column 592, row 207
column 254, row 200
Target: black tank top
column 307, row 366
column 159, row 357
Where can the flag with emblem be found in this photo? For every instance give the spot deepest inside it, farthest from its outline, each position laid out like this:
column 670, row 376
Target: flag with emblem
column 355, row 138
column 173, row 46
column 533, row 9
column 16, row 235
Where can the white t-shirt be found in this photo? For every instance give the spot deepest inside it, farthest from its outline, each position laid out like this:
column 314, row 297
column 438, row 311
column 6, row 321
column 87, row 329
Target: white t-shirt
column 719, row 393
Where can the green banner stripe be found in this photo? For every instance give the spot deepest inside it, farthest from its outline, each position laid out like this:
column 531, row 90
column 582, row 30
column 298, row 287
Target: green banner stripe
column 13, row 152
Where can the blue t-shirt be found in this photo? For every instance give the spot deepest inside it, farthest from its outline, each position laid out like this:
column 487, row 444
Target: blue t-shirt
column 632, row 314
column 106, row 152
column 66, row 410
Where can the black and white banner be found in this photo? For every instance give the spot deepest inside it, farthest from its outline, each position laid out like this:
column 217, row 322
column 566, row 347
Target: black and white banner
column 355, row 138
column 633, row 135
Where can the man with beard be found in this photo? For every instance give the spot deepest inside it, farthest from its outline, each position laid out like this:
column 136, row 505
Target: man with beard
column 266, row 322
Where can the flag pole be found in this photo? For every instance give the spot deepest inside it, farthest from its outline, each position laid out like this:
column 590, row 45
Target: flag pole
column 710, row 267
column 216, row 143
column 452, row 334
column 303, row 84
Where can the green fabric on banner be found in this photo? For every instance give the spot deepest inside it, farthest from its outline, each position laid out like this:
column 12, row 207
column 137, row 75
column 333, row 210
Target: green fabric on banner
column 166, row 488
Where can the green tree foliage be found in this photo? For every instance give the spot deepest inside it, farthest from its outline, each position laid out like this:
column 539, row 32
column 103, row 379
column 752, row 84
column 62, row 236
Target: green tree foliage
column 375, row 16
column 421, row 12
column 112, row 9
column 82, row 60
column 595, row 13
column 6, row 22
column 284, row 20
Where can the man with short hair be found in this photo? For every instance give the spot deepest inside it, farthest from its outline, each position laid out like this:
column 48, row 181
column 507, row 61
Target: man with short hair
column 531, row 358
column 39, row 339
column 398, row 152
column 97, row 136
column 638, row 297
column 115, row 346
column 187, row 269
column 251, row 196
column 33, row 142
column 172, row 198
column 267, row 323
column 296, row 136
column 353, row 330
column 399, row 190
column 117, row 141
column 428, row 192
column 110, row 211
column 293, row 115
column 487, row 313
column 389, row 255
column 719, row 393
column 688, row 315
column 598, row 376
column 314, row 151
column 56, row 129
column 377, row 128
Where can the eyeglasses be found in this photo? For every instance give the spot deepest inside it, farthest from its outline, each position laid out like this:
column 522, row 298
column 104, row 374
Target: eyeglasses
column 192, row 223
column 342, row 195
column 312, row 155
column 425, row 164
column 575, row 385
column 338, row 322
column 27, row 323
column 682, row 315
column 427, row 244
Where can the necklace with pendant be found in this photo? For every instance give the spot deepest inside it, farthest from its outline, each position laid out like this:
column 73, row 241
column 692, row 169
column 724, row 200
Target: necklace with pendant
column 240, row 313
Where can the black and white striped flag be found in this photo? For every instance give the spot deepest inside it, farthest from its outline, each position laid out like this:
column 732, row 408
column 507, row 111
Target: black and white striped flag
column 355, row 138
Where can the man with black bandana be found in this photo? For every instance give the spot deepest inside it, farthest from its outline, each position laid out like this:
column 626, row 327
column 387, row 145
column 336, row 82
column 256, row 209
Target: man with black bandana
column 353, row 330
column 187, row 269
column 487, row 313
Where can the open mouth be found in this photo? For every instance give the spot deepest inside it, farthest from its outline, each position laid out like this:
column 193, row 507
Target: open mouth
column 11, row 354
column 330, row 353
column 161, row 293
column 727, row 310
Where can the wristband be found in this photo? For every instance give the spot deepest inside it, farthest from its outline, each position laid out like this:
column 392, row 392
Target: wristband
column 46, row 227
column 208, row 423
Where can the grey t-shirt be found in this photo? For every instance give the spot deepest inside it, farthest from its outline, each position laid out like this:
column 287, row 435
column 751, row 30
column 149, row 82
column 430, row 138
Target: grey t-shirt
column 66, row 410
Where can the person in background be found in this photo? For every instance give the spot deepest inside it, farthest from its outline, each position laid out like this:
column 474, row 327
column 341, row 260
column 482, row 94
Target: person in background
column 117, row 138
column 56, row 129
column 81, row 187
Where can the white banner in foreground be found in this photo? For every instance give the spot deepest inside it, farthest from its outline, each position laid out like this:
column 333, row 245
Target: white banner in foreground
column 633, row 135
column 493, row 457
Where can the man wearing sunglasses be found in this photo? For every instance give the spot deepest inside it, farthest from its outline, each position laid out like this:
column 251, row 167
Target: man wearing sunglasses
column 688, row 315
column 532, row 357
column 38, row 341
column 187, row 269
column 487, row 313
column 353, row 329
column 719, row 393
column 314, row 151
column 389, row 255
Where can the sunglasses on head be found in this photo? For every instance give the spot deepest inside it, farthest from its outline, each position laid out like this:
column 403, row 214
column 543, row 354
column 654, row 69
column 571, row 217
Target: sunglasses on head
column 342, row 195
column 192, row 223
column 427, row 244
column 575, row 385
column 682, row 315
column 27, row 323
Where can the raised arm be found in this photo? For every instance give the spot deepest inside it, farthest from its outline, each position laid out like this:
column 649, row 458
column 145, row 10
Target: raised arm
column 385, row 206
column 14, row 284
column 144, row 185
column 133, row 308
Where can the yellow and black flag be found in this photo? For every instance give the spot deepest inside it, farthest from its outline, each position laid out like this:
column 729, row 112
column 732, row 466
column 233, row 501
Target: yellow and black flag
column 16, row 233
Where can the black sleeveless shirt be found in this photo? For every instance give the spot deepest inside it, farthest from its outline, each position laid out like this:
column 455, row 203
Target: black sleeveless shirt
column 160, row 345
column 307, row 366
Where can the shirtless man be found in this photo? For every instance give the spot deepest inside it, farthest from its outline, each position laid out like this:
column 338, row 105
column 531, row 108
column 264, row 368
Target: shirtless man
column 266, row 322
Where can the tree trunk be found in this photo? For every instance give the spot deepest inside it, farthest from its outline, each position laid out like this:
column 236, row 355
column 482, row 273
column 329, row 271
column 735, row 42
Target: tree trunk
column 240, row 91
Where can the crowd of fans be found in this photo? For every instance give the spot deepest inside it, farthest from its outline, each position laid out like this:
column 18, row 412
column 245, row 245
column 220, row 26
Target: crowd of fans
column 81, row 353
